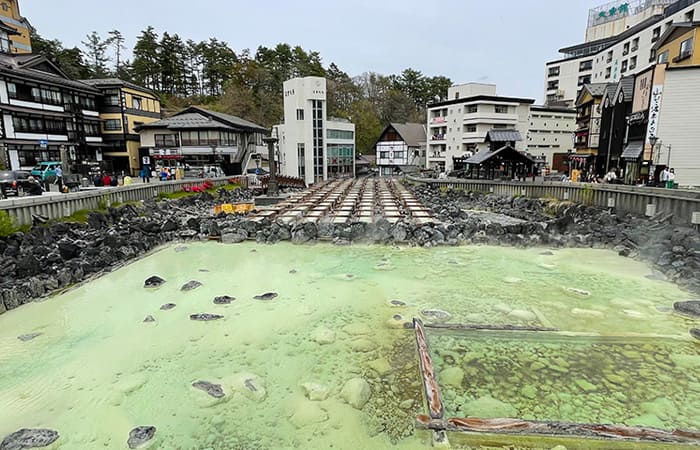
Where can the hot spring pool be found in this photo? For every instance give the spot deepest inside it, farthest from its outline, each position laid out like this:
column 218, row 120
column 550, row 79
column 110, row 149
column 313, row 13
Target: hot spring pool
column 97, row 370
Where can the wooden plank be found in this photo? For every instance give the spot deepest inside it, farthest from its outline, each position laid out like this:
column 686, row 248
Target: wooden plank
column 461, row 326
column 430, row 384
column 563, row 429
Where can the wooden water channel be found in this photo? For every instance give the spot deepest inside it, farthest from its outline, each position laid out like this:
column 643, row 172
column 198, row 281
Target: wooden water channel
column 435, row 421
column 365, row 200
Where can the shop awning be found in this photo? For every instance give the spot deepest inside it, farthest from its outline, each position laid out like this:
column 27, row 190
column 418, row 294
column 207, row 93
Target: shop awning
column 633, row 150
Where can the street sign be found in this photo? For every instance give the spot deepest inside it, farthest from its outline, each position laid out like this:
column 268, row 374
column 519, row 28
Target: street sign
column 146, row 160
column 43, row 143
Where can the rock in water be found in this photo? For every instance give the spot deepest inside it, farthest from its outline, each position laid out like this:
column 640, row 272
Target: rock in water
column 190, row 285
column 28, row 337
column 140, row 435
column 691, row 308
column 356, row 393
column 223, row 300
column 149, row 319
column 29, row 438
column 695, row 332
column 214, row 390
column 205, row 317
column 168, row 306
column 153, row 282
column 397, row 303
column 181, row 248
column 266, row 296
column 436, row 315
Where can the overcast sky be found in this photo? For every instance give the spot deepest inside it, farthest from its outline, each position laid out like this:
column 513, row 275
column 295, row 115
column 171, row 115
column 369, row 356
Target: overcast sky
column 505, row 42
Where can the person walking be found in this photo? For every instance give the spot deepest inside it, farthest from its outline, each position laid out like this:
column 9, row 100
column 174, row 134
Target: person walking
column 671, row 180
column 663, row 177
column 59, row 178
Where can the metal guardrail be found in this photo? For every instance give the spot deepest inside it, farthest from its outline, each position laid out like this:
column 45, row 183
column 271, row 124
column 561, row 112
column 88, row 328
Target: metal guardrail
column 58, row 206
column 681, row 206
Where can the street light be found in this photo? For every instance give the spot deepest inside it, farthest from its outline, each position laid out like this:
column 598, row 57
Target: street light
column 272, row 188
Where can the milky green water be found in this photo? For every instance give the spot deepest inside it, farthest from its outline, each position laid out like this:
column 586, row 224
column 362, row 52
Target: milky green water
column 97, row 370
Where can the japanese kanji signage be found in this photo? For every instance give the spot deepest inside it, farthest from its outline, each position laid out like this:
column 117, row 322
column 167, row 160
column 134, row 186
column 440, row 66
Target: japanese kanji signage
column 620, row 10
column 654, row 108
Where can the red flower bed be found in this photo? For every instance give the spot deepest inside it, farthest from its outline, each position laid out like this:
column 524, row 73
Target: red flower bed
column 206, row 185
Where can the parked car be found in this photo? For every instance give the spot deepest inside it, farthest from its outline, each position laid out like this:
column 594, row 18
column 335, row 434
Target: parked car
column 14, row 183
column 45, row 170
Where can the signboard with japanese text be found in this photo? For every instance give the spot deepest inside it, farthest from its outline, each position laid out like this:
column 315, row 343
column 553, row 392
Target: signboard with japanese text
column 642, row 91
column 654, row 108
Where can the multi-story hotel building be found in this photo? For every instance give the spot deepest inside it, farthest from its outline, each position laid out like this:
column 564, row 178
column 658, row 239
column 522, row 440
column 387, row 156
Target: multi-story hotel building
column 46, row 116
column 14, row 29
column 550, row 136
column 124, row 106
column 619, row 42
column 459, row 125
column 312, row 145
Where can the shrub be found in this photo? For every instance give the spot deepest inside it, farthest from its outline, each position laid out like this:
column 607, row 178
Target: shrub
column 7, row 224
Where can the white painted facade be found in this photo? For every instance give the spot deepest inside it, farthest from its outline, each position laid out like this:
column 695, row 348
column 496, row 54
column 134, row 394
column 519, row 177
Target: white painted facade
column 630, row 54
column 551, row 131
column 678, row 120
column 610, row 25
column 460, row 124
column 311, row 145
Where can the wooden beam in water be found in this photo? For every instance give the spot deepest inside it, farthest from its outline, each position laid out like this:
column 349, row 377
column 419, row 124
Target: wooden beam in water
column 430, row 384
column 560, row 429
column 460, row 326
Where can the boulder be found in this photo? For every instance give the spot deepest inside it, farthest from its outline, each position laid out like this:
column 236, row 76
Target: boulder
column 190, row 286
column 235, row 237
column 223, row 300
column 356, row 392
column 68, row 250
column 139, row 436
column 28, row 337
column 307, row 413
column 436, row 315
column 266, row 296
column 205, row 317
column 691, row 308
column 29, row 438
column 168, row 306
column 149, row 319
column 249, row 385
column 695, row 332
column 212, row 389
column 153, row 282
column 323, row 336
column 315, row 392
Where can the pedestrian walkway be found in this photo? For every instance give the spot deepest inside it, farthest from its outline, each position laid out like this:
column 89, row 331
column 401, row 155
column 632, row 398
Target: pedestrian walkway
column 344, row 201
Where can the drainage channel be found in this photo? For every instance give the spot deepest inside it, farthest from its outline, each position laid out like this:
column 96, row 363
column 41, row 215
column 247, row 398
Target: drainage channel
column 435, row 421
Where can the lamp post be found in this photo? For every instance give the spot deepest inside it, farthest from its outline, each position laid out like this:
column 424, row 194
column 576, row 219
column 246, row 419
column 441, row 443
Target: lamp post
column 272, row 188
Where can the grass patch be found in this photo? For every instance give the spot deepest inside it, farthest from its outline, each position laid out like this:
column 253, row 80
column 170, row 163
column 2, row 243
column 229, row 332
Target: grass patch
column 183, row 194
column 9, row 226
column 79, row 216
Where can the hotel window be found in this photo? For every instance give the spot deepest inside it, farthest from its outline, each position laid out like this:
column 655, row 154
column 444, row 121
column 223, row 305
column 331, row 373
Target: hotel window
column 112, row 99
column 551, row 85
column 686, row 48
column 655, row 34
column 689, row 15
column 585, row 65
column 652, row 55
column 5, row 7
column 384, row 155
column 609, row 57
column 340, row 134
column 624, row 66
column 470, row 128
column 112, row 124
column 166, row 140
column 300, row 114
column 635, row 44
column 136, row 103
column 12, row 90
column 501, row 109
column 471, row 109
column 553, row 71
column 633, row 62
column 626, row 49
column 607, row 72
column 585, row 79
column 663, row 57
column 500, row 126
column 91, row 129
column 301, row 159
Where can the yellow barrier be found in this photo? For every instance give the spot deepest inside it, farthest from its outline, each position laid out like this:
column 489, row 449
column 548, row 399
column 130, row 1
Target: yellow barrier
column 234, row 208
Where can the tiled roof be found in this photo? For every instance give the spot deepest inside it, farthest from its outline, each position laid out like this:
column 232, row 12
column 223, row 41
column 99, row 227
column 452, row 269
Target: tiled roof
column 115, row 82
column 228, row 118
column 482, row 157
column 22, row 66
column 412, row 133
column 188, row 121
column 596, row 89
column 503, row 136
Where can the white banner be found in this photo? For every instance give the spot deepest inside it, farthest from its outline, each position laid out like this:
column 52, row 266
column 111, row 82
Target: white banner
column 654, row 108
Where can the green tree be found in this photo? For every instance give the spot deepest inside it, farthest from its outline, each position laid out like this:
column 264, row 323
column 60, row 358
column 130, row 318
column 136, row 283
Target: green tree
column 368, row 125
column 69, row 60
column 117, row 40
column 96, row 55
column 171, row 61
column 145, row 67
column 218, row 61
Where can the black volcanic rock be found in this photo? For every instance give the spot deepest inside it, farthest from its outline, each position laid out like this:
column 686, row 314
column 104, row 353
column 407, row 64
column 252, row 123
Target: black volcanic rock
column 153, row 282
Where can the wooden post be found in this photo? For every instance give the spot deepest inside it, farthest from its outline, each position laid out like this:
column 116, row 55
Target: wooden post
column 432, row 390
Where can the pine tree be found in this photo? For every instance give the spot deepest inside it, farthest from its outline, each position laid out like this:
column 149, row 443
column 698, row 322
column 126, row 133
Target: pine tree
column 145, row 67
column 96, row 54
column 117, row 40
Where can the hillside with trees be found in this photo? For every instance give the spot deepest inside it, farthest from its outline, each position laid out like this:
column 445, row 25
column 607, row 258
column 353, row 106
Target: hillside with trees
column 246, row 83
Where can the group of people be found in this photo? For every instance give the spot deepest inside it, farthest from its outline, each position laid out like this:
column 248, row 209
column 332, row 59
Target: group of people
column 104, row 179
column 668, row 177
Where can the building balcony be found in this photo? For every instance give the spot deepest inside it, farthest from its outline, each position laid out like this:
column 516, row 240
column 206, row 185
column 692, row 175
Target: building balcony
column 438, row 137
column 436, row 156
column 490, row 117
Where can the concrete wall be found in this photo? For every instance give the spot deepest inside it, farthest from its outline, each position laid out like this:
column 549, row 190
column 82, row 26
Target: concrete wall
column 58, row 206
column 682, row 204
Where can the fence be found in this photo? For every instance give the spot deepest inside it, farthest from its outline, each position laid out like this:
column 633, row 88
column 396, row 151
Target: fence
column 58, row 206
column 683, row 205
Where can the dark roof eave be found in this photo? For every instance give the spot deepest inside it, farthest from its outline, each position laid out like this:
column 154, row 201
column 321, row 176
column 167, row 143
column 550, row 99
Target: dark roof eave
column 493, row 98
column 12, row 73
